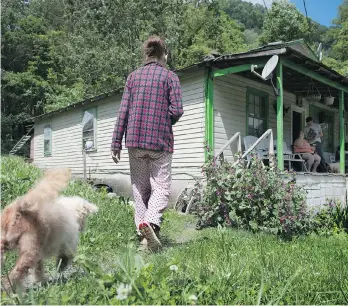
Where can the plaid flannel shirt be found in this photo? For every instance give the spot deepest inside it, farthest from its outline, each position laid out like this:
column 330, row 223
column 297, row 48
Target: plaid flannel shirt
column 151, row 104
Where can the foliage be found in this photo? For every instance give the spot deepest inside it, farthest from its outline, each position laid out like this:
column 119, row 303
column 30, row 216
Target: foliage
column 208, row 29
column 256, row 198
column 283, row 22
column 330, row 219
column 339, row 49
column 340, row 67
column 251, row 38
column 248, row 14
column 337, row 57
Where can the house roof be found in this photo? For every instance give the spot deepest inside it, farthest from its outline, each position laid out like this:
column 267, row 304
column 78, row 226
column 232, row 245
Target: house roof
column 77, row 104
column 297, row 51
column 298, row 45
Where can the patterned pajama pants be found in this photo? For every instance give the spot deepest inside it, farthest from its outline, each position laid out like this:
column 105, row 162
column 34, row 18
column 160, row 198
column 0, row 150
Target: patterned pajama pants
column 151, row 180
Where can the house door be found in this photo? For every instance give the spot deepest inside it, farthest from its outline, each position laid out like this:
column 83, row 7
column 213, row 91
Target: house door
column 296, row 124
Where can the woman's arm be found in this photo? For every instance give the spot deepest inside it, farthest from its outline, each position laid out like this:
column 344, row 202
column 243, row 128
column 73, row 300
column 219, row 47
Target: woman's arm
column 175, row 98
column 122, row 119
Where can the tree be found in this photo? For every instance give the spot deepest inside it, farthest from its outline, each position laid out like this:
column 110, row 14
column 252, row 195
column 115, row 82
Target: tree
column 340, row 47
column 208, row 29
column 248, row 14
column 338, row 56
column 283, row 23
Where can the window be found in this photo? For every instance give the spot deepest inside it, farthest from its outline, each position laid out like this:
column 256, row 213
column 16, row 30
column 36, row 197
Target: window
column 326, row 120
column 257, row 112
column 89, row 123
column 47, row 140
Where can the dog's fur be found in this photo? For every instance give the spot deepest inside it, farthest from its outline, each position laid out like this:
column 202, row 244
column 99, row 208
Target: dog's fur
column 335, row 167
column 41, row 224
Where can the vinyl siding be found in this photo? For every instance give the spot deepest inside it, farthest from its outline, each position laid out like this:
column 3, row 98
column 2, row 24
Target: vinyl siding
column 67, row 137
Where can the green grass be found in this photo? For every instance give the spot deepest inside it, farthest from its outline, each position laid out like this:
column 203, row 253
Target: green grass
column 218, row 266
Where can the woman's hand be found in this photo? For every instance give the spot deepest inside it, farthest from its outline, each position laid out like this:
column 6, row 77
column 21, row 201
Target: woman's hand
column 116, row 156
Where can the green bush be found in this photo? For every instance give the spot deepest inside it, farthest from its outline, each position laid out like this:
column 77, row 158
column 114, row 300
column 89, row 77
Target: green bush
column 331, row 219
column 257, row 198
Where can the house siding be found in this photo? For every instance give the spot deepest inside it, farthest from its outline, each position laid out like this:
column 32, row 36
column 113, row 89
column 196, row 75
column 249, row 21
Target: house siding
column 67, row 140
column 230, row 96
column 229, row 117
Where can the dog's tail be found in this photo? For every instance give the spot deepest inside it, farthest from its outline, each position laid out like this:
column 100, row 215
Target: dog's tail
column 46, row 190
column 89, row 207
column 83, row 208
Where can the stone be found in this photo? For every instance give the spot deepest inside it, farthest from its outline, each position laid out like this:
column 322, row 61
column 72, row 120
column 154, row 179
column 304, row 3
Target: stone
column 111, row 195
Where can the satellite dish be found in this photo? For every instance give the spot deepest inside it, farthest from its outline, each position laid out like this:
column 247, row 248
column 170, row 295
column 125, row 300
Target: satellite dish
column 269, row 67
column 320, row 52
column 267, row 72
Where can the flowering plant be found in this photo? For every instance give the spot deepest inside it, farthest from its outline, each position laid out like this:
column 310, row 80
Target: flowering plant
column 257, row 198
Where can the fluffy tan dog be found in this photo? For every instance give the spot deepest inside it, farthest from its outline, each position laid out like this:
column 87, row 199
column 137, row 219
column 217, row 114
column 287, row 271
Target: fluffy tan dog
column 41, row 224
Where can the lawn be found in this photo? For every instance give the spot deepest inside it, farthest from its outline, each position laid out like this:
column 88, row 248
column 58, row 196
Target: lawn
column 210, row 266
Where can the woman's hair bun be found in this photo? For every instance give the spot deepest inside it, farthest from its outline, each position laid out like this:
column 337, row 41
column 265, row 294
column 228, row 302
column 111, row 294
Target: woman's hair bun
column 154, row 48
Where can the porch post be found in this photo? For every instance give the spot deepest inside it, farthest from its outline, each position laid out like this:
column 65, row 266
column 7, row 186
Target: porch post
column 342, row 138
column 209, row 111
column 280, row 128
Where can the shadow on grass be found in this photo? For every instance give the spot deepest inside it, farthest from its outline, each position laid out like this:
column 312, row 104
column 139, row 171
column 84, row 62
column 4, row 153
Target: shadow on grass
column 168, row 242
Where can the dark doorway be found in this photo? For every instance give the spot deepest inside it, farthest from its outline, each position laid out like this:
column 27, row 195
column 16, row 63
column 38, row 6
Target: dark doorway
column 296, row 125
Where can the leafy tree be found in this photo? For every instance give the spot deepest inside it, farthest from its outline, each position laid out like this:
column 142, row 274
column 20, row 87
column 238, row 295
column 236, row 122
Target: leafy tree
column 251, row 38
column 209, row 29
column 246, row 13
column 340, row 47
column 341, row 67
column 283, row 23
column 337, row 57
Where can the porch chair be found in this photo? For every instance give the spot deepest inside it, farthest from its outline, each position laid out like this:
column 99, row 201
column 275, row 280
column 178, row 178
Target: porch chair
column 290, row 156
column 300, row 159
column 261, row 149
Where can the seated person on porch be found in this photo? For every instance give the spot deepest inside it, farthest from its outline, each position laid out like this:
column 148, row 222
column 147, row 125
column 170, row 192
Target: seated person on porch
column 302, row 146
column 313, row 134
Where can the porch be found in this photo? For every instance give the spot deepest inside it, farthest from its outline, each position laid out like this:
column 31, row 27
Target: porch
column 299, row 75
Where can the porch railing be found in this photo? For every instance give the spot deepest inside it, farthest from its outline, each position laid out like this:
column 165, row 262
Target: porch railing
column 237, row 137
column 268, row 133
column 220, row 153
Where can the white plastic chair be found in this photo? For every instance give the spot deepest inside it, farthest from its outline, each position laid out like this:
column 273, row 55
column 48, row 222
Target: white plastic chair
column 261, row 149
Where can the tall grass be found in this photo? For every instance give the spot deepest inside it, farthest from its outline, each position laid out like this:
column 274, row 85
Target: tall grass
column 211, row 266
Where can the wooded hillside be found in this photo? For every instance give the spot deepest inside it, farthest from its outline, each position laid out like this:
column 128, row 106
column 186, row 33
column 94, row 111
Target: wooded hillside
column 55, row 52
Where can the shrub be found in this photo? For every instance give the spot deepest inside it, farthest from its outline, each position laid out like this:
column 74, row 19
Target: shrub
column 258, row 198
column 332, row 218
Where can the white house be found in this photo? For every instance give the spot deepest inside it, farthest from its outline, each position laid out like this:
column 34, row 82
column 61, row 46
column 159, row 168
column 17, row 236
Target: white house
column 221, row 97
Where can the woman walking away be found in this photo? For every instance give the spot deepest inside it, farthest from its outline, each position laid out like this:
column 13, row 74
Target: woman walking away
column 150, row 106
column 307, row 151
